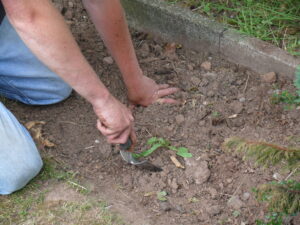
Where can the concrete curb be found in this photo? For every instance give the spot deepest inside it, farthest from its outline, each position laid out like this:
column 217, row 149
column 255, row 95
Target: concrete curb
column 200, row 33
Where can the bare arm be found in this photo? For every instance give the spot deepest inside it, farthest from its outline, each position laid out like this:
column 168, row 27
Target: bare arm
column 44, row 31
column 109, row 19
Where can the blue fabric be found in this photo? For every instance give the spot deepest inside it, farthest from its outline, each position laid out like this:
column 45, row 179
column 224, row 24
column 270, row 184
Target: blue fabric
column 19, row 158
column 24, row 78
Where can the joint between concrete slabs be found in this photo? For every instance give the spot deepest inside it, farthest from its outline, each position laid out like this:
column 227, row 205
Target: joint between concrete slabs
column 200, row 33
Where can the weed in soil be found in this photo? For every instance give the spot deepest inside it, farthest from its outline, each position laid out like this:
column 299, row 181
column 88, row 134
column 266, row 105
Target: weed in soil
column 156, row 143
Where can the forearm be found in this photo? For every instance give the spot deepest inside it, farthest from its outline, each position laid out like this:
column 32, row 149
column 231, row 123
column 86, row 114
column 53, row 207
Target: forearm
column 109, row 19
column 43, row 30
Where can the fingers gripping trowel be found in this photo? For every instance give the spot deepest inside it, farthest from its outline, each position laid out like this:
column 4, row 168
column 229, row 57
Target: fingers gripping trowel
column 126, row 153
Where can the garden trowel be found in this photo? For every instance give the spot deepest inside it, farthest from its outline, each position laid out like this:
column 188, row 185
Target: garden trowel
column 126, row 153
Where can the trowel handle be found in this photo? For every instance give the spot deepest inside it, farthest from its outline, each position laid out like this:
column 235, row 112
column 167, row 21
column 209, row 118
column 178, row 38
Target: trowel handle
column 127, row 145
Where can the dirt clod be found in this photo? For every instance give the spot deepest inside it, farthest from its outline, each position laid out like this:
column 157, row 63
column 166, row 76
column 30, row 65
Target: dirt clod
column 179, row 119
column 165, row 206
column 245, row 196
column 197, row 170
column 213, row 210
column 206, row 65
column 269, row 77
column 235, row 203
column 237, row 107
column 195, row 81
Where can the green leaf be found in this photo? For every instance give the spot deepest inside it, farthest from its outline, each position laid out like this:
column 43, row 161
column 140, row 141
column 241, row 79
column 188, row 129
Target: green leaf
column 182, row 150
column 173, row 148
column 161, row 196
column 185, row 154
column 193, row 200
column 236, row 213
column 163, row 142
column 148, row 151
column 152, row 140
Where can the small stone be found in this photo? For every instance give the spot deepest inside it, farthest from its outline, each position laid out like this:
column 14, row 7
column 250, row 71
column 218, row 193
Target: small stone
column 213, row 192
column 213, row 210
column 204, row 82
column 235, row 203
column 145, row 50
column 210, row 93
column 157, row 50
column 242, row 99
column 206, row 65
column 195, row 81
column 229, row 180
column 70, row 4
column 69, row 15
column 165, row 206
column 278, row 176
column 179, row 119
column 108, row 60
column 173, row 185
column 237, row 107
column 190, row 67
column 269, row 77
column 245, row 196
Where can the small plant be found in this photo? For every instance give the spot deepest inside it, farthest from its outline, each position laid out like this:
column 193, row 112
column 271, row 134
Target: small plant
column 156, row 143
column 161, row 196
column 272, row 219
column 288, row 98
column 283, row 198
column 263, row 153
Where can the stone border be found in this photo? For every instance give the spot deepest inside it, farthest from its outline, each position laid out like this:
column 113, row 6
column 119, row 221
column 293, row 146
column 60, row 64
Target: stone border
column 202, row 34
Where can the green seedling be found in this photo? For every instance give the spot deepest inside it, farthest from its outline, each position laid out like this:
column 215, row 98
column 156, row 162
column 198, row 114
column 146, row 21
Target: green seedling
column 156, row 143
column 236, row 213
column 193, row 200
column 161, row 196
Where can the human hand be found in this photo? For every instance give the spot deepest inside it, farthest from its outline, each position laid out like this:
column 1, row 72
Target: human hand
column 115, row 121
column 147, row 92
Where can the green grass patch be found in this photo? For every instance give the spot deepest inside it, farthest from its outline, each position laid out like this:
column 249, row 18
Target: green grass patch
column 28, row 206
column 269, row 20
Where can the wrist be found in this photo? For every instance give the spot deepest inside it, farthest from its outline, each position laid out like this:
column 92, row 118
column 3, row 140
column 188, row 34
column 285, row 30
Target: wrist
column 133, row 78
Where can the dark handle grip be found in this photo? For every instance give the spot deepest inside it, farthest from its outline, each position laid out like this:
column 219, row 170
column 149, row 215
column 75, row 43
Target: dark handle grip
column 126, row 146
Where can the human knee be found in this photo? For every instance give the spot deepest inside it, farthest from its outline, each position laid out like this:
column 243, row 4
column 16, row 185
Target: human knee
column 19, row 178
column 51, row 94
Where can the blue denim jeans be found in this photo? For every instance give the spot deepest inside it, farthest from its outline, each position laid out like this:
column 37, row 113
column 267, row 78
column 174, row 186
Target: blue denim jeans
column 24, row 78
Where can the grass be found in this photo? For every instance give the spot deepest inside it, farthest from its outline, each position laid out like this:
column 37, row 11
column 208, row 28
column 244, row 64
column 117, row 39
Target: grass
column 275, row 21
column 28, row 206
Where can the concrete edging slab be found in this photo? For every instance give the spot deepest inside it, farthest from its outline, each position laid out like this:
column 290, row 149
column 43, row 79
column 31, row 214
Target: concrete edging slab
column 200, row 33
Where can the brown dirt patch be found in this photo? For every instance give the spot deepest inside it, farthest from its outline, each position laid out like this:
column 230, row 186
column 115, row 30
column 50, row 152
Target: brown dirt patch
column 209, row 97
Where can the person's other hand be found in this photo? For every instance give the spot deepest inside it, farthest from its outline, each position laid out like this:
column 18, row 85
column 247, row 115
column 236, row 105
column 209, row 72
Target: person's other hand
column 115, row 121
column 147, row 92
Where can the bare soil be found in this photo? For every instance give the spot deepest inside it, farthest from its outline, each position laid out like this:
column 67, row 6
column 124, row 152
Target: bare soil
column 200, row 193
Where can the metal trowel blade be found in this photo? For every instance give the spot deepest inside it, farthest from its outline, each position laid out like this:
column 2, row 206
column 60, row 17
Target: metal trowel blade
column 128, row 157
